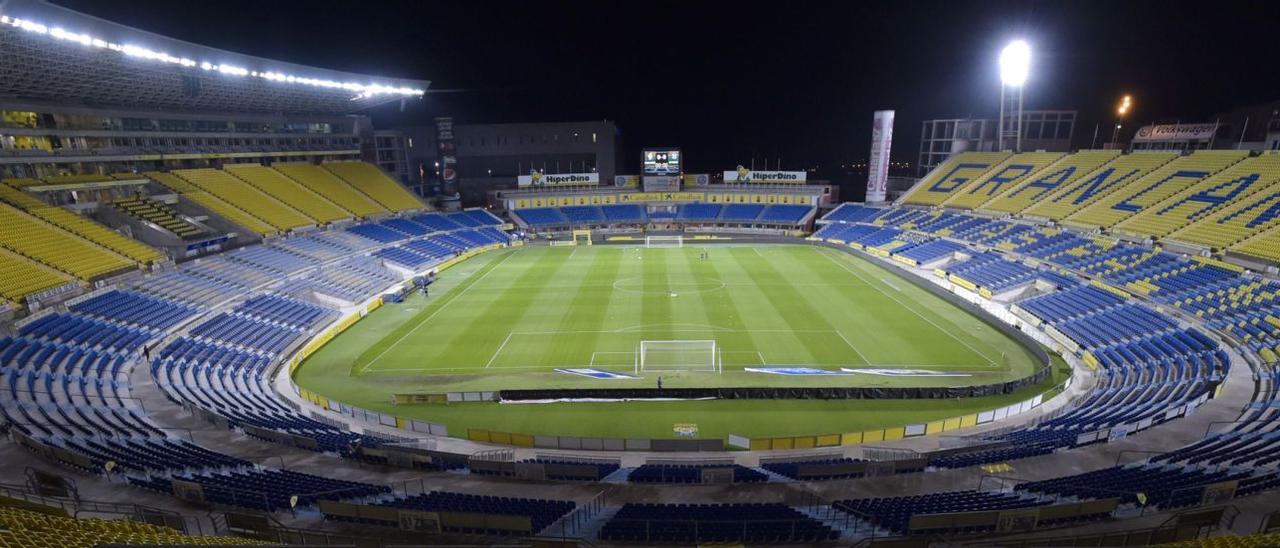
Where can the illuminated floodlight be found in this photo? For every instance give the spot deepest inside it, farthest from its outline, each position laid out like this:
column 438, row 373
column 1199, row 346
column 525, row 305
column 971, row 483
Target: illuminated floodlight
column 1015, row 63
column 362, row 91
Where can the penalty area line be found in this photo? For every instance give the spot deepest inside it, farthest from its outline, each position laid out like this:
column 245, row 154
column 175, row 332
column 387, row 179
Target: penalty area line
column 912, row 310
column 437, row 311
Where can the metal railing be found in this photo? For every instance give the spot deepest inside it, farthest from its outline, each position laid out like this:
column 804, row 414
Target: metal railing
column 571, row 525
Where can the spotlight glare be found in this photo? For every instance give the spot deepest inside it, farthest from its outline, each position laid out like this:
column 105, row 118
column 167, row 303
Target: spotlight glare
column 1015, row 63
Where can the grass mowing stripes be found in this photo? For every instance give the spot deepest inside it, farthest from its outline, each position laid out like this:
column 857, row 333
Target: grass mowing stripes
column 507, row 319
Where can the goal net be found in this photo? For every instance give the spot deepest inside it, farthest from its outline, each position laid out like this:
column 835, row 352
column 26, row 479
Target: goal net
column 664, row 241
column 678, row 356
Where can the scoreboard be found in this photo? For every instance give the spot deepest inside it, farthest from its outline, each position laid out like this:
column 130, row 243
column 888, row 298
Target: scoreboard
column 662, row 162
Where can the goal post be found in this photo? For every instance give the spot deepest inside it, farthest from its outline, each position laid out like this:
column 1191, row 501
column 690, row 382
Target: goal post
column 581, row 237
column 678, row 355
column 664, row 241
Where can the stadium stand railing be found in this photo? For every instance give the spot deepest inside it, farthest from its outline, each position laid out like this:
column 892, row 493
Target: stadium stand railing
column 213, row 203
column 158, row 214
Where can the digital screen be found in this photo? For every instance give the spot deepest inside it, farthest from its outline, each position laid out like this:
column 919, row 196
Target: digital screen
column 662, row 161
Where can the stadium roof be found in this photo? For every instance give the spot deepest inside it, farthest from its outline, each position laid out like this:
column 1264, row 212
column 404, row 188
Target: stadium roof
column 50, row 53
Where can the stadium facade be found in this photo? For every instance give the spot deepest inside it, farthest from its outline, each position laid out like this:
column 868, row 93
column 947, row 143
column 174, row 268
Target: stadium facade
column 174, row 246
column 491, row 156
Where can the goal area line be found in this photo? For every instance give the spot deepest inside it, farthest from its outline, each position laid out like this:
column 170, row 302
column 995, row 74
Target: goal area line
column 695, row 355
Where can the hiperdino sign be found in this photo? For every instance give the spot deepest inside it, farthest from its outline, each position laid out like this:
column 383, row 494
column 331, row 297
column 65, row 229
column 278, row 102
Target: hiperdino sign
column 747, row 176
column 557, row 179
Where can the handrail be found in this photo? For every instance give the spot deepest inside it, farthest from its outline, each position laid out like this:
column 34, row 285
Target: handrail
column 571, row 524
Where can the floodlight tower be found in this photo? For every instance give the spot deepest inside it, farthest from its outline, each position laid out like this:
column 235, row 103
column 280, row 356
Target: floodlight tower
column 1126, row 104
column 1015, row 64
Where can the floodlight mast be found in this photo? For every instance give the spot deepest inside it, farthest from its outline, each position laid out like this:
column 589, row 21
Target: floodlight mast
column 1015, row 65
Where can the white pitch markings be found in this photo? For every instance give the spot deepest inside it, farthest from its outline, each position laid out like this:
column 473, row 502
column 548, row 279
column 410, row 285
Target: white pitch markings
column 499, row 350
column 855, row 349
column 912, row 310
column 437, row 311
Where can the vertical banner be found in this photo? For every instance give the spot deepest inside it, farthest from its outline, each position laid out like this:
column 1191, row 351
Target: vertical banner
column 448, row 155
column 878, row 167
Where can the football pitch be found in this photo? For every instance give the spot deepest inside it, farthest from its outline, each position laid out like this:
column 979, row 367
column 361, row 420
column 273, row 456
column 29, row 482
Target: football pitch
column 512, row 318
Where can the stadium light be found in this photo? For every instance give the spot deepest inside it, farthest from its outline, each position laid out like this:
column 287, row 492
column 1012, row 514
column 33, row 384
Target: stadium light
column 139, row 52
column 1015, row 65
column 1126, row 104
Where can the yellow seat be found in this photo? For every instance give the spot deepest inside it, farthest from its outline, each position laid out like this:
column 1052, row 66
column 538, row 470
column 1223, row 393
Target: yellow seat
column 20, row 277
column 243, row 196
column 1215, row 193
column 325, row 183
column 1060, row 174
column 213, row 203
column 1012, row 171
column 289, row 191
column 1142, row 194
column 367, row 178
column 1084, row 191
column 46, row 243
column 953, row 176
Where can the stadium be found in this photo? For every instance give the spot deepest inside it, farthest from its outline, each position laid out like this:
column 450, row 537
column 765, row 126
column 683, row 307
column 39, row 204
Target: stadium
column 232, row 312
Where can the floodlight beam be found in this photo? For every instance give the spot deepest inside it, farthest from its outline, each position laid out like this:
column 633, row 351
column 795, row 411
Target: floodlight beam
column 1015, row 63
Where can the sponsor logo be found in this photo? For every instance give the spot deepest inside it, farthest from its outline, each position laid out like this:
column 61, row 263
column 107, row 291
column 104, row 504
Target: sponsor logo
column 793, row 371
column 685, row 429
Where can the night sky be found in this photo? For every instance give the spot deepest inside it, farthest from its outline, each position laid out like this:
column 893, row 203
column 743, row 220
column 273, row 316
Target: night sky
column 726, row 80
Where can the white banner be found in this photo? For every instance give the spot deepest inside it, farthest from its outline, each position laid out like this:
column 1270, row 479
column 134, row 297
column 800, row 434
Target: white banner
column 743, row 175
column 881, row 142
column 559, row 179
column 1176, row 132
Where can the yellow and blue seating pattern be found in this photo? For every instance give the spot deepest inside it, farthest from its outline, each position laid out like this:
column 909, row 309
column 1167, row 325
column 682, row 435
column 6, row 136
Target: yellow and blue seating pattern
column 1089, row 189
column 20, row 277
column 243, row 196
column 1222, row 200
column 367, row 178
column 1029, row 190
column 1140, row 194
column 1242, row 218
column 1013, row 171
column 53, row 528
column 953, row 175
column 288, row 191
column 325, row 183
column 1236, row 183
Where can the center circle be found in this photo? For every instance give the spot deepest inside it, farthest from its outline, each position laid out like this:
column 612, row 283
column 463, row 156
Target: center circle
column 694, row 285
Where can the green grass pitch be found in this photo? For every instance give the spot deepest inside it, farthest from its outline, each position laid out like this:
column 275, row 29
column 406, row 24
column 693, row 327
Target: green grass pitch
column 509, row 318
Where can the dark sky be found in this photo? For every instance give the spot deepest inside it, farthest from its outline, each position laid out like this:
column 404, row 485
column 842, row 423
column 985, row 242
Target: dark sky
column 726, row 80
